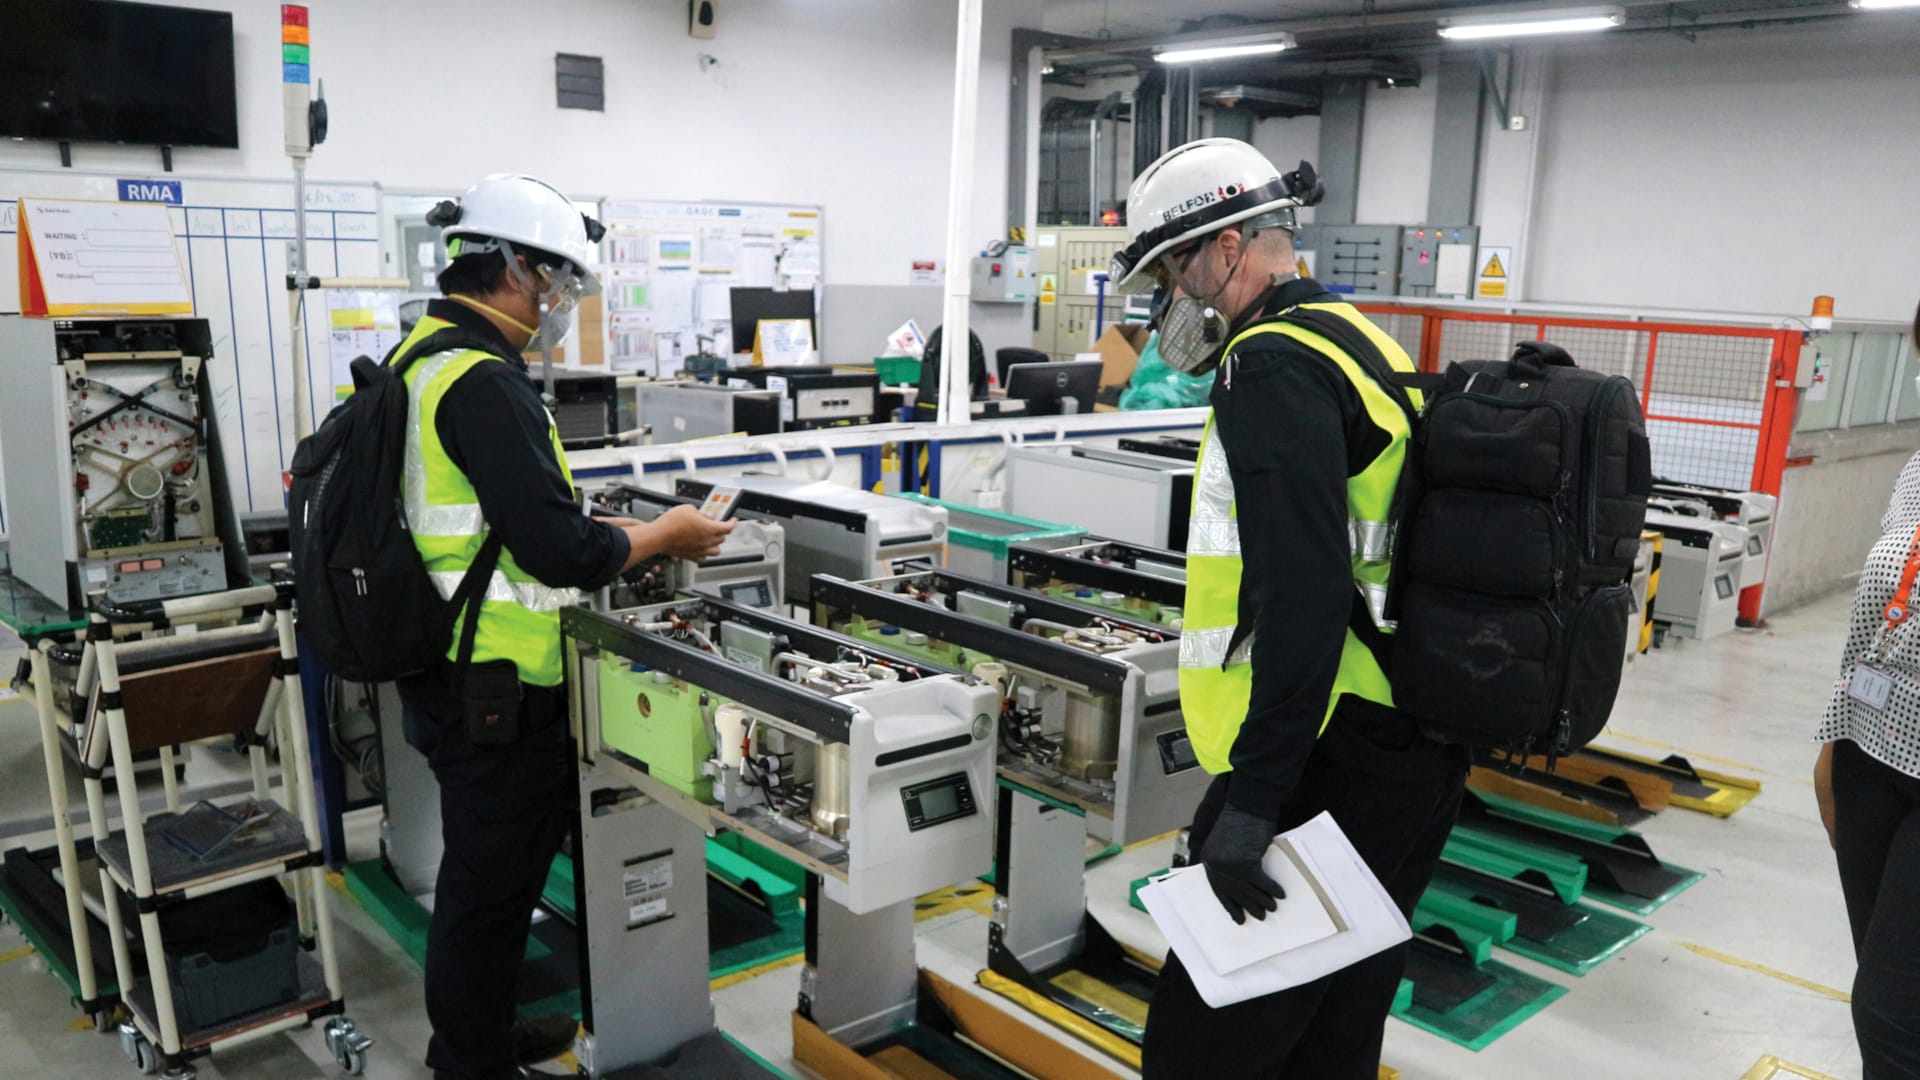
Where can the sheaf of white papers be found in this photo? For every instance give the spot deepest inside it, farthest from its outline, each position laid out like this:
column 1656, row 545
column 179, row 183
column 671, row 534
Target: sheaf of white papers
column 1198, row 929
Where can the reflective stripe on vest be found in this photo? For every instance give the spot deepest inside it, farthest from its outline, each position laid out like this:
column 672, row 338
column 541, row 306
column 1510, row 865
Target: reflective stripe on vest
column 519, row 615
column 1215, row 688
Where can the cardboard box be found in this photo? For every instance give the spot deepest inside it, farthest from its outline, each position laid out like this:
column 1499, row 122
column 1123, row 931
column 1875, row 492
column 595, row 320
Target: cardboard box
column 1119, row 350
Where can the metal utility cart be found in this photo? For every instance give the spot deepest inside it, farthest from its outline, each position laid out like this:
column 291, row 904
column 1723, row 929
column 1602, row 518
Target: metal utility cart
column 236, row 676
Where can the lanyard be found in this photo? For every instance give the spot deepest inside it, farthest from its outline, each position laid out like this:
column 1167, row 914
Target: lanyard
column 1899, row 608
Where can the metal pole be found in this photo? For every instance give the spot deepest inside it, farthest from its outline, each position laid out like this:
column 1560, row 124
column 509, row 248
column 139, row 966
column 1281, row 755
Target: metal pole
column 296, row 291
column 955, row 339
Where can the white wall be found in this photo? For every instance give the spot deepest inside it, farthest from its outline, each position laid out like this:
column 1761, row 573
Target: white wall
column 1396, row 153
column 844, row 103
column 1747, row 172
column 1287, row 141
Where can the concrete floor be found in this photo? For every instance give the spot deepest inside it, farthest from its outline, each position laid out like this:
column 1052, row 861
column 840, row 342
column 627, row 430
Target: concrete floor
column 1743, row 965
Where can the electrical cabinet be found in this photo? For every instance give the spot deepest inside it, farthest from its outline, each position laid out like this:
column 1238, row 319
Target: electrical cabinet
column 1438, row 260
column 1363, row 258
column 1006, row 278
column 1066, row 258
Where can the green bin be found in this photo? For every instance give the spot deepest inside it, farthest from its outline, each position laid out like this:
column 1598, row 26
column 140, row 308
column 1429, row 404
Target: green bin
column 978, row 540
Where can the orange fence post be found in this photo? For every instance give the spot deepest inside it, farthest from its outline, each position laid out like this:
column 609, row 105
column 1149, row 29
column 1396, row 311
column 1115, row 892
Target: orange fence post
column 1776, row 435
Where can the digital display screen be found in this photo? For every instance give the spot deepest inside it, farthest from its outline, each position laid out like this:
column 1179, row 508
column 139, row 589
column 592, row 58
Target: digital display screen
column 939, row 802
column 750, row 593
column 1723, row 586
column 936, row 801
column 1176, row 751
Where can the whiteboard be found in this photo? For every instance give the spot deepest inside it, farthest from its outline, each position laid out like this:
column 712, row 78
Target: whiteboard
column 233, row 237
column 669, row 266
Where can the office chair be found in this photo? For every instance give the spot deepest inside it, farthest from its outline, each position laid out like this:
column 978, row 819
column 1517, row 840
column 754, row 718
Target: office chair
column 1004, row 359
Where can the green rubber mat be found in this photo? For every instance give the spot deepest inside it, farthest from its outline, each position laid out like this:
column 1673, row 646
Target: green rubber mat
column 1573, row 938
column 742, row 933
column 1644, row 905
column 1470, row 1005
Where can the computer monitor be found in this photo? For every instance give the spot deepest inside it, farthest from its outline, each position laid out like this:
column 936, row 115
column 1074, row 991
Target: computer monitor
column 749, row 306
column 1043, row 386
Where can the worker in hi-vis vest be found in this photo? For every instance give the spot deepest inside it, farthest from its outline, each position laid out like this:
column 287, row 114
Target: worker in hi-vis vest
column 483, row 460
column 1282, row 669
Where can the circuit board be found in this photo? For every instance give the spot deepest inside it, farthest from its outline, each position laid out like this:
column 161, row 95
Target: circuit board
column 138, row 454
column 1130, row 608
column 918, row 646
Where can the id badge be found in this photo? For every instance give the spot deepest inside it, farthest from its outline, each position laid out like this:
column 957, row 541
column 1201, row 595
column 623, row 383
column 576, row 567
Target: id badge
column 1870, row 687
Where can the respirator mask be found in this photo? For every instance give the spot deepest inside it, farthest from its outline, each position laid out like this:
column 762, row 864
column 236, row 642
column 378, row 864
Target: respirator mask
column 1193, row 330
column 557, row 289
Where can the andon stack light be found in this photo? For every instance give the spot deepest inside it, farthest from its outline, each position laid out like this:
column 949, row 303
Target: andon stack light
column 296, row 72
column 1822, row 313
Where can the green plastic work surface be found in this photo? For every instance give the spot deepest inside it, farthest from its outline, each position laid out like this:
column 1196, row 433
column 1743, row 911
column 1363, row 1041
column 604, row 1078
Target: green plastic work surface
column 991, row 530
column 1480, row 1020
column 30, row 613
column 1516, row 859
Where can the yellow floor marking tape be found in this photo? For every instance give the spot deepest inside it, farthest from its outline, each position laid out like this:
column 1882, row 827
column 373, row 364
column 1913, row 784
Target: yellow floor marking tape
column 80, row 1023
column 15, row 954
column 1711, row 954
column 1772, row 1068
column 1689, row 754
column 737, row 977
column 337, row 882
column 1137, row 844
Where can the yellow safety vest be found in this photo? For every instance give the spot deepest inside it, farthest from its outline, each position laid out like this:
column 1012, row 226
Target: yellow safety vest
column 519, row 616
column 1215, row 688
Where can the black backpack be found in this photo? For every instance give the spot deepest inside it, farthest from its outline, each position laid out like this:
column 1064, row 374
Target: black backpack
column 366, row 605
column 1519, row 517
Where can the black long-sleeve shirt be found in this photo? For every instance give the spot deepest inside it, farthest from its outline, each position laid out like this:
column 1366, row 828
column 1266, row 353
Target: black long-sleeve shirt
column 494, row 427
column 1294, row 430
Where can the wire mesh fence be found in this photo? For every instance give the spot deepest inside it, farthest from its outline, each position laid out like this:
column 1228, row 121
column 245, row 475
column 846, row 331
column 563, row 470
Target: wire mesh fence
column 1704, row 388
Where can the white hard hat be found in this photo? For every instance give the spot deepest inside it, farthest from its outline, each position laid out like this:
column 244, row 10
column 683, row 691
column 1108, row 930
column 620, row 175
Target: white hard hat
column 1199, row 188
column 527, row 213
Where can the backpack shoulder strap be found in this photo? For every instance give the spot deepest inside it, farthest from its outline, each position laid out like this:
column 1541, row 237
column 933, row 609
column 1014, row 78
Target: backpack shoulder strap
column 442, row 340
column 1358, row 345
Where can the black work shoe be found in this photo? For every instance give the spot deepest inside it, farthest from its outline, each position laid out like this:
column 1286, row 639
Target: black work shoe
column 542, row 1038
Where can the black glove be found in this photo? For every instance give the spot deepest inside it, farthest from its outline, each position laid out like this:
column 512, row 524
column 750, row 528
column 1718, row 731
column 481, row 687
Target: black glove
column 1232, row 854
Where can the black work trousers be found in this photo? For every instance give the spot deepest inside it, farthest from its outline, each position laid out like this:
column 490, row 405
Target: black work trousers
column 504, row 811
column 1395, row 794
column 1877, row 841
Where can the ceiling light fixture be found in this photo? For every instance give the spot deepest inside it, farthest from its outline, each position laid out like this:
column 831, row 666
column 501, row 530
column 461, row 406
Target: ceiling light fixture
column 1263, row 45
column 1533, row 23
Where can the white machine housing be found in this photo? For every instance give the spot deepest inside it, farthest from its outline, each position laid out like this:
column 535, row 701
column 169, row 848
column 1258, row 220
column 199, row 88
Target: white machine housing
column 919, row 752
column 1139, row 498
column 1701, row 564
column 749, row 569
column 1753, row 509
column 114, row 475
column 832, row 529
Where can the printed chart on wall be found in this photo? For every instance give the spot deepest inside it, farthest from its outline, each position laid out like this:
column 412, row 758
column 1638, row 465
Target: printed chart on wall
column 232, row 236
column 360, row 322
column 670, row 268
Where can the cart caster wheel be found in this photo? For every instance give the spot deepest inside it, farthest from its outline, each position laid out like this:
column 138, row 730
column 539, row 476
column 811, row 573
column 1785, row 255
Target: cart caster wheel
column 105, row 1020
column 347, row 1045
column 144, row 1056
column 180, row 1072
